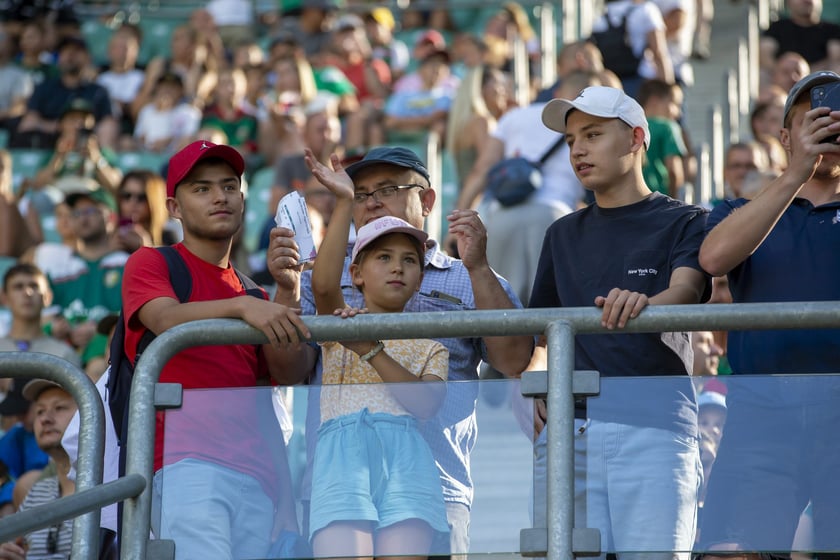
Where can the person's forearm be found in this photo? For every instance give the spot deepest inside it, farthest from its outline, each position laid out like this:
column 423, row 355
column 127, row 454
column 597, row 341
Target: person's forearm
column 326, row 274
column 508, row 354
column 740, row 234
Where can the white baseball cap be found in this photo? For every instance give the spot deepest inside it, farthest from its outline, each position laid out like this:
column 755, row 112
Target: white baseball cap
column 385, row 225
column 598, row 101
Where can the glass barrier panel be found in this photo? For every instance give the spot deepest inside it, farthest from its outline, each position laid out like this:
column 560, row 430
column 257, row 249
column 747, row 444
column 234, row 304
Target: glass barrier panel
column 346, row 470
column 757, row 471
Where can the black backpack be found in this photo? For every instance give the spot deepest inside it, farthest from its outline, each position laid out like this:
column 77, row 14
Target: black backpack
column 122, row 369
column 615, row 47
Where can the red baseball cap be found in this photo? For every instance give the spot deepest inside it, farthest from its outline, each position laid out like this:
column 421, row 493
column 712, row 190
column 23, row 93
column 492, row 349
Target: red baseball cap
column 183, row 162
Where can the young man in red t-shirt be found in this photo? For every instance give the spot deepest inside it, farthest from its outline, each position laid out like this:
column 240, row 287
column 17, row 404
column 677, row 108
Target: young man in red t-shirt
column 222, row 484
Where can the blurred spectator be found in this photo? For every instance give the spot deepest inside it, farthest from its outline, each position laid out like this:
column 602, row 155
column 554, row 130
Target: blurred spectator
column 804, row 32
column 664, row 167
column 89, row 287
column 143, row 217
column 577, row 56
column 706, row 353
column 379, row 26
column 678, row 16
column 34, row 56
column 77, row 152
column 59, row 17
column 226, row 112
column 26, row 292
column 247, row 53
column 168, row 121
column 50, row 256
column 15, row 84
column 187, row 59
column 757, row 180
column 19, row 231
column 740, row 159
column 646, row 36
column 234, row 20
column 53, row 407
column 787, row 69
column 310, row 24
column 40, row 124
column 371, row 78
column 428, row 43
column 468, row 52
column 766, row 118
column 18, row 449
column 482, row 98
column 255, row 86
column 425, row 110
column 123, row 78
column 280, row 111
column 508, row 24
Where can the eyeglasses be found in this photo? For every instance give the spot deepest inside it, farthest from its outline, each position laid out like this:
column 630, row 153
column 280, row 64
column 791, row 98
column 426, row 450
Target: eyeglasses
column 83, row 212
column 382, row 193
column 139, row 197
column 52, row 539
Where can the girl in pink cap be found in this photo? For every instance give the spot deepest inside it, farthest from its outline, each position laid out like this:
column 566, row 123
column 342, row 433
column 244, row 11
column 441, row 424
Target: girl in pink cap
column 376, row 490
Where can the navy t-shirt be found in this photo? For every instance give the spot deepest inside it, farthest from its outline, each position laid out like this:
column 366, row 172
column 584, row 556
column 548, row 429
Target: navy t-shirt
column 50, row 97
column 636, row 247
column 798, row 261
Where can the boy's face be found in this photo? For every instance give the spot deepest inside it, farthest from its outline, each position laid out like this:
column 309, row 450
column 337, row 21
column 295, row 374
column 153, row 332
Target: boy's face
column 168, row 94
column 26, row 295
column 209, row 202
column 434, row 70
column 601, row 149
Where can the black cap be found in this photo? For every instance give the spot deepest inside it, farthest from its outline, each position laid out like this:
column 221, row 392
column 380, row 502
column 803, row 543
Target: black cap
column 72, row 41
column 14, row 404
column 401, row 157
column 805, row 85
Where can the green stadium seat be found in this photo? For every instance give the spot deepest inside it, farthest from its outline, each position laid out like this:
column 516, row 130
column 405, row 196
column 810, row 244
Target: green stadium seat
column 157, row 36
column 26, row 163
column 127, row 161
column 97, row 34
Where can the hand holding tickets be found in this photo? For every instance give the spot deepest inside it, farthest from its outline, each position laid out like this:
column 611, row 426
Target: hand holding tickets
column 292, row 214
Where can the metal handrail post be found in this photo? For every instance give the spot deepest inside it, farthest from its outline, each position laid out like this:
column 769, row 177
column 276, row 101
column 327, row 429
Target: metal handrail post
column 560, row 443
column 35, row 365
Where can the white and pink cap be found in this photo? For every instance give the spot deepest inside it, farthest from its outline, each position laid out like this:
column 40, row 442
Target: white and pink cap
column 385, row 225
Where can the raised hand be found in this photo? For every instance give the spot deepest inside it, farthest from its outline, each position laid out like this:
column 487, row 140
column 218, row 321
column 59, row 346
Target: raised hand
column 335, row 179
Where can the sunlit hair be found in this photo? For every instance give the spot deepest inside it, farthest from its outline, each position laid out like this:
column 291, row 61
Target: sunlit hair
column 155, row 189
column 469, row 101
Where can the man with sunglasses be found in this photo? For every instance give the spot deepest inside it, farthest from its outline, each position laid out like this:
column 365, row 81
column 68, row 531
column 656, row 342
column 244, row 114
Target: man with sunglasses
column 87, row 288
column 393, row 181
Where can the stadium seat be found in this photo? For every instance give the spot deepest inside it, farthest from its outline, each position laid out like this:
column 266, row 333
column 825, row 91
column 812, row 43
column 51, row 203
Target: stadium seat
column 26, row 163
column 128, row 161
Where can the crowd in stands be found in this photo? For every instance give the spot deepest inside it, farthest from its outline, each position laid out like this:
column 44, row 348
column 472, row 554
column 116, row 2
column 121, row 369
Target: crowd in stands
column 89, row 122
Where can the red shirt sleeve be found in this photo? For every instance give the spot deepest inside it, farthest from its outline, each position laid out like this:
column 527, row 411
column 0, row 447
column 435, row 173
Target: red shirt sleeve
column 146, row 277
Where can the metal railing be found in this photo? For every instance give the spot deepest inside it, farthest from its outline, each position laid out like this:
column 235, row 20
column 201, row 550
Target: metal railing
column 90, row 495
column 561, row 325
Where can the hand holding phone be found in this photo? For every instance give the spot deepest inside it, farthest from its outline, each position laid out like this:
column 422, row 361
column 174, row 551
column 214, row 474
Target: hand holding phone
column 827, row 96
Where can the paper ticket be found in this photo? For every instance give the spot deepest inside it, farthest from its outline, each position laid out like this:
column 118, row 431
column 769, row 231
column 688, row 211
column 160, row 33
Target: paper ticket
column 292, row 214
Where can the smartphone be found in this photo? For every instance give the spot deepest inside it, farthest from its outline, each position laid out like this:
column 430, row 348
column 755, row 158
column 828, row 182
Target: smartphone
column 827, row 96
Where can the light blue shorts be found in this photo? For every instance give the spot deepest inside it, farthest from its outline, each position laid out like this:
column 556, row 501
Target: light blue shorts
column 374, row 467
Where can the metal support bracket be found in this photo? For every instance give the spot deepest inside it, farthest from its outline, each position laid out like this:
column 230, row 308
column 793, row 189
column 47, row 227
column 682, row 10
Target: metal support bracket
column 585, row 383
column 168, row 396
column 160, row 549
column 533, row 543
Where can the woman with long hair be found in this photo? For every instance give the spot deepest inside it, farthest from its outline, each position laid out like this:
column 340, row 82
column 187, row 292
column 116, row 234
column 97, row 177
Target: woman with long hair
column 143, row 216
column 482, row 97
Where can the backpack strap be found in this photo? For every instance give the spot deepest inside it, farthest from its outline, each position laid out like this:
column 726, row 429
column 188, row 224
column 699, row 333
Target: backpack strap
column 179, row 277
column 554, row 147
